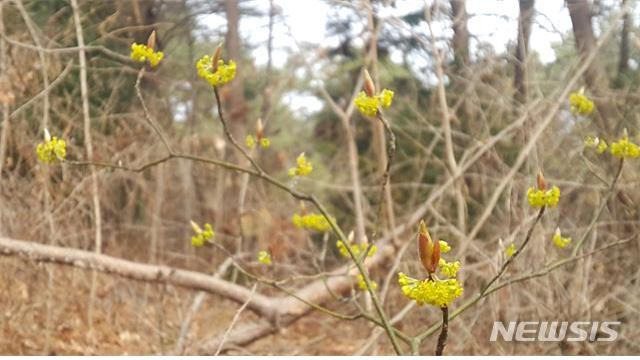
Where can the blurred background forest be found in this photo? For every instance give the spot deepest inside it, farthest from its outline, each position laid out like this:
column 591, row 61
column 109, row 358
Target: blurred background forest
column 457, row 95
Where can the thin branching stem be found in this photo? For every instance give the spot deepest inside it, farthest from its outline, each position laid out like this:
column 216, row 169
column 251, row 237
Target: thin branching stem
column 442, row 339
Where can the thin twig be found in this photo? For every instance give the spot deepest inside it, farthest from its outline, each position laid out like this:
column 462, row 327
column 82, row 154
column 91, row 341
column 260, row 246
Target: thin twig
column 442, row 339
column 516, row 253
column 235, row 319
column 227, row 132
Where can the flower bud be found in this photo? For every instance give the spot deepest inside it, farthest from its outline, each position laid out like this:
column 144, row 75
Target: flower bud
column 557, row 233
column 195, row 227
column 216, row 57
column 47, row 136
column 542, row 185
column 151, row 41
column 259, row 129
column 369, row 87
column 428, row 250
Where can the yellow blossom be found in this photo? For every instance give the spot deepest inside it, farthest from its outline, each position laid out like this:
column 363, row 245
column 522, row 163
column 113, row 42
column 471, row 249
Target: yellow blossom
column 580, row 104
column 449, row 269
column 444, row 247
column 559, row 241
column 436, row 292
column 624, row 148
column 52, row 149
column 312, row 221
column 591, row 141
column 201, row 236
column 368, row 105
column 303, row 167
column 264, row 257
column 363, row 285
column 265, row 143
column 510, row 250
column 143, row 53
column 216, row 76
column 356, row 249
column 250, row 141
column 602, row 147
column 540, row 198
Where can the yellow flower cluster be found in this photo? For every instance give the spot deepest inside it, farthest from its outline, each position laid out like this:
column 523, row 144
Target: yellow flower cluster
column 449, row 269
column 437, row 292
column 368, row 105
column 264, row 257
column 540, row 198
column 444, row 247
column 624, row 148
column 201, row 236
column 143, row 53
column 52, row 149
column 433, row 291
column 356, row 249
column 303, row 167
column 559, row 241
column 363, row 285
column 315, row 222
column 580, row 104
column 594, row 142
column 216, row 76
column 510, row 250
column 251, row 142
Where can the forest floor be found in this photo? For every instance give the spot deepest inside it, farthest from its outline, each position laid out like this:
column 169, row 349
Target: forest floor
column 135, row 318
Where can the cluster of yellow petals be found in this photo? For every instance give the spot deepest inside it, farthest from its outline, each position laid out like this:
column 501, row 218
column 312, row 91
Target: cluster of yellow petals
column 202, row 236
column 624, row 148
column 596, row 143
column 369, row 105
column 580, row 104
column 540, row 198
column 312, row 221
column 356, row 249
column 264, row 257
column 143, row 53
column 51, row 150
column 560, row 241
column 303, row 167
column 250, row 141
column 437, row 292
column 449, row 269
column 363, row 285
column 216, row 75
column 510, row 250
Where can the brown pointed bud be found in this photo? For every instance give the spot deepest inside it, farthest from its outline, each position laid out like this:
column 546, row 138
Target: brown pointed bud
column 151, row 41
column 428, row 250
column 369, row 87
column 216, row 57
column 259, row 129
column 625, row 134
column 542, row 185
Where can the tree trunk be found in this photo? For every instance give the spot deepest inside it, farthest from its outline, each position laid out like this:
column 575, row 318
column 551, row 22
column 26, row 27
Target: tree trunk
column 522, row 49
column 623, row 64
column 595, row 76
column 460, row 34
column 461, row 60
column 234, row 98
